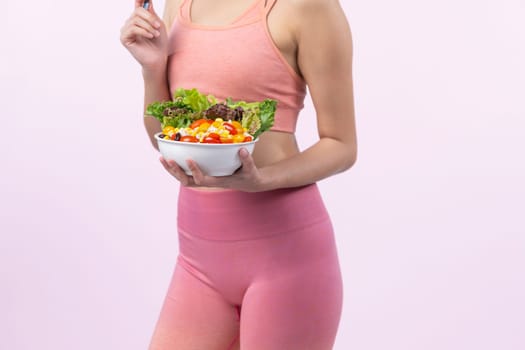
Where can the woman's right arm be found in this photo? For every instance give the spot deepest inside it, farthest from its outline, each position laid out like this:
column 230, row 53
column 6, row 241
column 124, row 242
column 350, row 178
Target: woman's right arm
column 145, row 36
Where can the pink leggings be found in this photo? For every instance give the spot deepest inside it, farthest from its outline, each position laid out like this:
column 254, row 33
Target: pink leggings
column 255, row 269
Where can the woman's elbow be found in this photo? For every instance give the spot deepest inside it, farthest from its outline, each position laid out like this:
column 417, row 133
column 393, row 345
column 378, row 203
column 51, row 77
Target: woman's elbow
column 349, row 157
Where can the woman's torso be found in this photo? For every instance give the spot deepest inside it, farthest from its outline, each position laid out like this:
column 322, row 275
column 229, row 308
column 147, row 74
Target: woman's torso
column 273, row 146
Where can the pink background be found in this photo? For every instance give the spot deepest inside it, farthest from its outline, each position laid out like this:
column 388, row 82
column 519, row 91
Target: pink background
column 429, row 222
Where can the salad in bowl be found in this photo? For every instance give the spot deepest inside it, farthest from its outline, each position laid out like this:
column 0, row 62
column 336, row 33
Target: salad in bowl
column 210, row 132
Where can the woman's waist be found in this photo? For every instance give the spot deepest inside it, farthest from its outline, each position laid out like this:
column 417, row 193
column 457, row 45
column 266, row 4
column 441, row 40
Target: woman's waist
column 273, row 147
column 236, row 215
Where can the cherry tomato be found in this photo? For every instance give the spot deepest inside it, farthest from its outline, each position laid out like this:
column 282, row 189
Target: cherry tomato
column 214, row 136
column 231, row 129
column 248, row 139
column 198, row 122
column 189, row 138
column 208, row 139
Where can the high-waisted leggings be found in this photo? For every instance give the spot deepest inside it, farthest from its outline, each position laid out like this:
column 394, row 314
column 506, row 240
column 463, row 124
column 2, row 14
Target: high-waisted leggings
column 259, row 270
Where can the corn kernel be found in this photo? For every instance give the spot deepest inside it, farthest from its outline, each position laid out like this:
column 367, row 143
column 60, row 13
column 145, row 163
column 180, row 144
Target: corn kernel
column 238, row 138
column 203, row 127
column 168, row 129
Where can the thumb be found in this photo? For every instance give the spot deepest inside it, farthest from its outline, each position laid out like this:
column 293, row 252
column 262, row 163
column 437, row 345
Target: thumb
column 246, row 159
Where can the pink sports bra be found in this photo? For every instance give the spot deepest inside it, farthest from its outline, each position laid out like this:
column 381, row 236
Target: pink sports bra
column 239, row 60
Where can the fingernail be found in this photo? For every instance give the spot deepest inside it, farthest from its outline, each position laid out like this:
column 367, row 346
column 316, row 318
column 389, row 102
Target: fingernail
column 157, row 24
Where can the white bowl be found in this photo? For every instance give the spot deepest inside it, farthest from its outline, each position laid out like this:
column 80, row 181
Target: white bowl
column 215, row 159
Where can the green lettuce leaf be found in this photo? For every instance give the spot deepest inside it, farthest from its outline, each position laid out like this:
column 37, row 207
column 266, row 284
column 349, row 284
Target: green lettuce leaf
column 258, row 117
column 194, row 99
column 267, row 110
column 251, row 121
column 156, row 109
column 180, row 121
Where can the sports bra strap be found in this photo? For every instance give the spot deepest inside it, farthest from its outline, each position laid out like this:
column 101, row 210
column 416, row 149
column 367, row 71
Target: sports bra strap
column 185, row 9
column 268, row 5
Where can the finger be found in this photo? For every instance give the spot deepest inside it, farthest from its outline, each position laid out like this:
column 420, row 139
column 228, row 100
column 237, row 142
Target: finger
column 180, row 174
column 148, row 16
column 130, row 34
column 247, row 161
column 196, row 172
column 167, row 166
column 176, row 171
column 164, row 163
column 201, row 179
column 146, row 25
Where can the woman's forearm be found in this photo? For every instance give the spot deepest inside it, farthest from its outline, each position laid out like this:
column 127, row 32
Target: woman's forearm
column 325, row 158
column 155, row 89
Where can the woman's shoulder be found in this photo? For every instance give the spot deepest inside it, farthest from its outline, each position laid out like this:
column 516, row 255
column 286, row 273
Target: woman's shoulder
column 307, row 12
column 318, row 15
column 303, row 12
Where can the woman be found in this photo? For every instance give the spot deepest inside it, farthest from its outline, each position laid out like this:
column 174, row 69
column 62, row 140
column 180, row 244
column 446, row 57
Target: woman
column 257, row 266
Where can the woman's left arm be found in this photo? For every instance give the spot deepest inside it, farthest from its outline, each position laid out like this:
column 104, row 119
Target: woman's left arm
column 324, row 57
